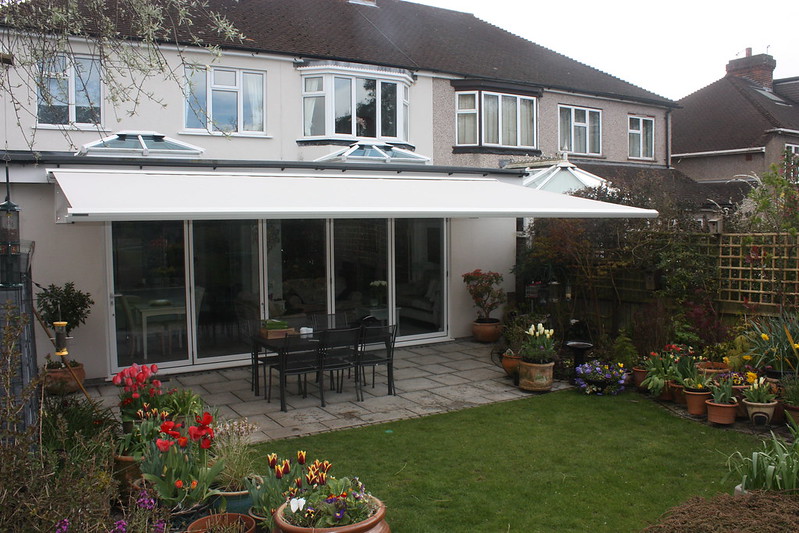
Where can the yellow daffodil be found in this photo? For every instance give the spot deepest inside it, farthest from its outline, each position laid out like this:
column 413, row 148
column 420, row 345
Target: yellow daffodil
column 764, row 336
column 751, row 377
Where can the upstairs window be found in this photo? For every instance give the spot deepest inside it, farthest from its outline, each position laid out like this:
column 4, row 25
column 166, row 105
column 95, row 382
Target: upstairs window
column 495, row 119
column 225, row 100
column 580, row 130
column 641, row 135
column 337, row 104
column 69, row 91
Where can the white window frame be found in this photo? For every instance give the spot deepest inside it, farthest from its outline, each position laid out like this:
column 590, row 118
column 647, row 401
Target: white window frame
column 794, row 148
column 481, row 123
column 329, row 73
column 574, row 124
column 210, row 87
column 639, row 132
column 72, row 91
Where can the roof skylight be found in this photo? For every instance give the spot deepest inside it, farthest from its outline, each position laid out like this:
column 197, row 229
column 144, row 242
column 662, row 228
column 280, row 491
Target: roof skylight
column 139, row 144
column 366, row 152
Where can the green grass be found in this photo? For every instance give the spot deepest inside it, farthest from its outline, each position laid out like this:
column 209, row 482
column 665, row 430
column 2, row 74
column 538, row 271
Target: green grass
column 557, row 462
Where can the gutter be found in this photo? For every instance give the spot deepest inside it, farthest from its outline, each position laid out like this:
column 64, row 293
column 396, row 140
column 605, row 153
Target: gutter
column 755, row 150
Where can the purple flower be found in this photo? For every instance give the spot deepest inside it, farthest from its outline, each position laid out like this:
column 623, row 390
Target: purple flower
column 145, row 501
column 62, row 526
column 340, row 514
column 159, row 526
column 120, row 526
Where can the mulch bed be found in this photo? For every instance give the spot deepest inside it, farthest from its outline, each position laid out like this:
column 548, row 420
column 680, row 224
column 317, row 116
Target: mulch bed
column 755, row 512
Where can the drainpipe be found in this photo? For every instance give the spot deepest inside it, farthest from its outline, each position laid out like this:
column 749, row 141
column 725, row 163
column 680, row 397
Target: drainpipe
column 668, row 137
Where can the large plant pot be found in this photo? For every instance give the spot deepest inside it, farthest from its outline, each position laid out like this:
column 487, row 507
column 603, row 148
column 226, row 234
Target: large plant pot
column 639, row 375
column 760, row 413
column 695, row 402
column 791, row 413
column 235, row 501
column 738, row 390
column 59, row 381
column 511, row 364
column 487, row 330
column 536, row 377
column 721, row 413
column 206, row 523
column 677, row 393
column 374, row 524
column 711, row 368
column 126, row 472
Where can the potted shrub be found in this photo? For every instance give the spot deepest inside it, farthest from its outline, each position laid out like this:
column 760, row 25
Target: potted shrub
column 597, row 377
column 56, row 304
column 487, row 296
column 62, row 375
column 760, row 401
column 538, row 356
column 232, row 446
column 722, row 407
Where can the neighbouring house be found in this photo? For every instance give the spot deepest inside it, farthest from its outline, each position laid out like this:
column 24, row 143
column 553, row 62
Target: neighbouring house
column 738, row 126
column 350, row 167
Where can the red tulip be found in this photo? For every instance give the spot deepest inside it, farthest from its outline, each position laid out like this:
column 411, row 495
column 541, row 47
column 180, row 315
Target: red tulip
column 301, row 456
column 206, row 419
column 154, row 368
column 183, row 442
column 179, row 484
column 272, row 459
column 205, row 443
column 164, row 445
column 278, row 472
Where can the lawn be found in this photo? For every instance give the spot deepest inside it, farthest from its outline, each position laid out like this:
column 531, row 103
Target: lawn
column 556, row 462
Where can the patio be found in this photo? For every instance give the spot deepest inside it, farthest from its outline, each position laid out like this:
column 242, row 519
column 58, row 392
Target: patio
column 429, row 379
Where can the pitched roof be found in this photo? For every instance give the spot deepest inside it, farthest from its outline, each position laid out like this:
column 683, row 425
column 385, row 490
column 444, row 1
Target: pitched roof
column 731, row 113
column 417, row 37
column 395, row 33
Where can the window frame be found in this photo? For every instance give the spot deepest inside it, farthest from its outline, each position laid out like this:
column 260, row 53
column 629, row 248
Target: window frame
column 640, row 133
column 794, row 148
column 329, row 73
column 480, row 110
column 69, row 73
column 574, row 124
column 212, row 87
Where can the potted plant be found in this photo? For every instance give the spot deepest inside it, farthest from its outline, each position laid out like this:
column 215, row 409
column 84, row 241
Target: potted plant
column 232, row 446
column 225, row 522
column 139, row 391
column 696, row 389
column 325, row 503
column 789, row 392
column 659, row 371
column 62, row 375
column 597, row 377
column 538, row 356
column 273, row 487
column 722, row 407
column 177, row 464
column 64, row 304
column 760, row 401
column 487, row 296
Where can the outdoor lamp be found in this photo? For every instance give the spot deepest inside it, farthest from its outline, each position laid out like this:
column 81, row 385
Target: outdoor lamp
column 10, row 256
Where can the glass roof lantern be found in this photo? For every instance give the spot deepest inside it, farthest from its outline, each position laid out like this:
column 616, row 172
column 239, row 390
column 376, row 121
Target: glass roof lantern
column 139, row 144
column 366, row 152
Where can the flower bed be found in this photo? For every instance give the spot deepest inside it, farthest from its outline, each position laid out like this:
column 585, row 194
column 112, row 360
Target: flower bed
column 598, row 377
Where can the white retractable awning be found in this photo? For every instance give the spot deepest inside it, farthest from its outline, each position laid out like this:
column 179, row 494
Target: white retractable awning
column 108, row 195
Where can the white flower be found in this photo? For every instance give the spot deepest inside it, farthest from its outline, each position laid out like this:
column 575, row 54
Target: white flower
column 297, row 504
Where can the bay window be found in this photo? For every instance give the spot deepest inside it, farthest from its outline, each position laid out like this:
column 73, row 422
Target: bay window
column 580, row 130
column 225, row 100
column 69, row 91
column 641, row 135
column 340, row 103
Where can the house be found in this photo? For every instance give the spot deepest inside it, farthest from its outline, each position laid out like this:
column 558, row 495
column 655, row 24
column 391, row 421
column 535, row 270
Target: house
column 348, row 168
column 738, row 126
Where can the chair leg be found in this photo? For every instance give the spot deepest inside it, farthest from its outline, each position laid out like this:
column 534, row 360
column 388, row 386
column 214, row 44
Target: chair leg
column 322, row 387
column 390, row 378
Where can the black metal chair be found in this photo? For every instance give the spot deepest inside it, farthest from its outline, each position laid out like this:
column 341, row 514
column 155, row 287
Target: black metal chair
column 298, row 356
column 339, row 349
column 376, row 348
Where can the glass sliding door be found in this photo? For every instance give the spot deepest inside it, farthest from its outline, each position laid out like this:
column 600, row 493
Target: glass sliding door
column 360, row 267
column 296, row 269
column 149, row 292
column 226, row 293
column 419, row 275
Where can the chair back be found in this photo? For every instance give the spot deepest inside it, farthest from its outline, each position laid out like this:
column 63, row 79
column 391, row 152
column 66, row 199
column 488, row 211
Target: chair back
column 299, row 347
column 378, row 338
column 340, row 340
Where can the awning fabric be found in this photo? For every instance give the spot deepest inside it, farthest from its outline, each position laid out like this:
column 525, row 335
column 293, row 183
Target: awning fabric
column 113, row 195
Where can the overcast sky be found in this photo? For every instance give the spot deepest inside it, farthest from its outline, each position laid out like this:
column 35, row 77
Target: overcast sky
column 670, row 48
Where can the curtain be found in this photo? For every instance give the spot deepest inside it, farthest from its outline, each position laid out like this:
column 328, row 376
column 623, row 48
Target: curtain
column 509, row 121
column 491, row 119
column 253, row 101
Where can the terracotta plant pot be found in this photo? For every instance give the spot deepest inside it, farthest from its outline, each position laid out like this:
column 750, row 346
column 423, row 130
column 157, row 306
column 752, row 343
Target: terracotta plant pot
column 639, row 375
column 511, row 364
column 760, row 413
column 59, row 381
column 374, row 524
column 677, row 393
column 695, row 402
column 487, row 330
column 126, row 472
column 710, row 368
column 204, row 524
column 738, row 390
column 721, row 413
column 791, row 413
column 536, row 377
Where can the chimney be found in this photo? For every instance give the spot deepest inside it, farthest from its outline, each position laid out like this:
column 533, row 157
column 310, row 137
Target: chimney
column 759, row 68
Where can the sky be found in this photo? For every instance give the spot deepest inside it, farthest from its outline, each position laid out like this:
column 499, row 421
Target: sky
column 671, row 48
